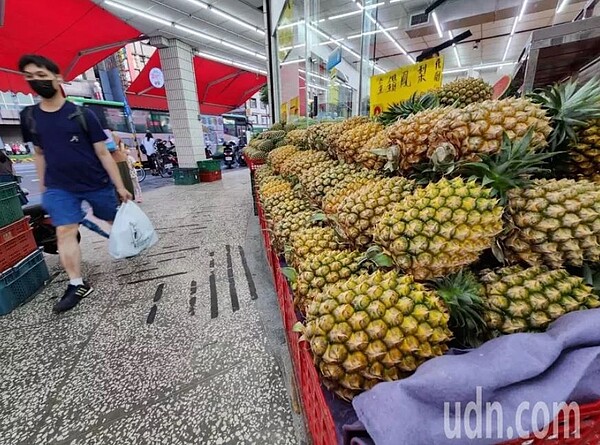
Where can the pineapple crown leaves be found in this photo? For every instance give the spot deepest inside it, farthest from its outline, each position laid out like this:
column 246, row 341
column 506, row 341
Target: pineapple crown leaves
column 377, row 258
column 415, row 104
column 513, row 166
column 569, row 105
column 290, row 273
column 462, row 294
column 591, row 275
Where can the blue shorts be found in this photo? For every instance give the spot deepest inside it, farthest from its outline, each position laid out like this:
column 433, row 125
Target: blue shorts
column 64, row 207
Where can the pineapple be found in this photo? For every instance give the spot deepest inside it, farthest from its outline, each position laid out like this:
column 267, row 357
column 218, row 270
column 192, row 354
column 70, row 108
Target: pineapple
column 557, row 222
column 311, row 241
column 317, row 186
column 317, row 135
column 302, row 161
column 351, row 183
column 417, row 102
column 277, row 126
column 349, row 144
column 273, row 135
column 463, row 92
column 361, row 211
column 274, row 187
column 297, row 138
column 575, row 112
column 366, row 155
column 281, row 154
column 478, row 129
column 289, row 225
column 440, row 228
column 340, row 129
column 374, row 327
column 412, row 136
column 519, row 299
column 585, row 153
column 286, row 208
column 319, row 270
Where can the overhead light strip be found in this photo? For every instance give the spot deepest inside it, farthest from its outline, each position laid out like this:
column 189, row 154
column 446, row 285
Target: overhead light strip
column 341, row 16
column 390, row 38
column 185, row 29
column 561, row 6
column 355, row 36
column 225, row 15
column 514, row 28
column 479, row 67
column 231, row 63
column 455, row 50
column 291, row 62
column 291, row 25
column 437, row 25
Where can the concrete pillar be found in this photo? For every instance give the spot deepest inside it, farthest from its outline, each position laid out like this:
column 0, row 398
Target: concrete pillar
column 184, row 110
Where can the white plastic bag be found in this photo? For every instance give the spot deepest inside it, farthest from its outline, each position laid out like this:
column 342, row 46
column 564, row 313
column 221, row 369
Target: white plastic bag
column 132, row 232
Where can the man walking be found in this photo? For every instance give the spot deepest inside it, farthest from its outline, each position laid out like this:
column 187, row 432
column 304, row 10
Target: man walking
column 73, row 166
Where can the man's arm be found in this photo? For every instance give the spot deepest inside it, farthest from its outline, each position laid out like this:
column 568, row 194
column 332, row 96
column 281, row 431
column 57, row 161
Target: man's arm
column 40, row 166
column 111, row 168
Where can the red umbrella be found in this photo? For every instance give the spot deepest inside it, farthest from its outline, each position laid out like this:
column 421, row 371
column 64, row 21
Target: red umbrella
column 221, row 88
column 76, row 34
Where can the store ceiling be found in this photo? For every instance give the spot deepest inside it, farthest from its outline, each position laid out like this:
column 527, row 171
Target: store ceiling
column 231, row 30
column 234, row 29
column 490, row 21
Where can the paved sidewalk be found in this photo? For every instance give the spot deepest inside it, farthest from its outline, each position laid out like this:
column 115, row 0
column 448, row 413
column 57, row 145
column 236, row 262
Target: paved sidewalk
column 182, row 345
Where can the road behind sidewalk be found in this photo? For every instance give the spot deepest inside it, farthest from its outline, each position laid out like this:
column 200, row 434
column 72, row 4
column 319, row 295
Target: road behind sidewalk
column 181, row 345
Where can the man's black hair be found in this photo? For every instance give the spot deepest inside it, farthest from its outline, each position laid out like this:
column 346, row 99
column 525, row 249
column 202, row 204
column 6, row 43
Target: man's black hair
column 40, row 61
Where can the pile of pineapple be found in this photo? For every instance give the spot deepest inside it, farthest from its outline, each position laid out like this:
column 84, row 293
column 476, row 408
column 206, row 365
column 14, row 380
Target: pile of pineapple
column 277, row 136
column 440, row 224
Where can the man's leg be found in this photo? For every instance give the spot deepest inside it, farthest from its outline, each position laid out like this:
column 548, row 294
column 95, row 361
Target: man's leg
column 65, row 211
column 69, row 250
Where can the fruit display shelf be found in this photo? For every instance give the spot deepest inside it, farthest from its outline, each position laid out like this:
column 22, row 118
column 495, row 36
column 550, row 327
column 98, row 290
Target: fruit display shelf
column 326, row 415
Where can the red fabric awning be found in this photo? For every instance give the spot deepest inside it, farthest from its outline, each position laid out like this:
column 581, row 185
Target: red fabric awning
column 221, row 88
column 76, row 34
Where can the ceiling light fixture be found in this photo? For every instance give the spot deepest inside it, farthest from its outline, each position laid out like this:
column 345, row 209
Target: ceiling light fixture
column 561, row 6
column 522, row 13
column 185, row 29
column 507, row 48
column 346, row 14
column 231, row 63
column 355, row 36
column 291, row 62
column 390, row 38
column 291, row 25
column 479, row 67
column 138, row 12
column 455, row 50
column 234, row 19
column 437, row 25
column 198, row 3
column 288, row 48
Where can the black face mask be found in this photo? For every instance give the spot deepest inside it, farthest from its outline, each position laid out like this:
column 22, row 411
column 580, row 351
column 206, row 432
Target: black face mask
column 43, row 87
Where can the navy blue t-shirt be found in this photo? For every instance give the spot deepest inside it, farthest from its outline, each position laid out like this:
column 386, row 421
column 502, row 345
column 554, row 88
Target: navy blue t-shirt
column 71, row 162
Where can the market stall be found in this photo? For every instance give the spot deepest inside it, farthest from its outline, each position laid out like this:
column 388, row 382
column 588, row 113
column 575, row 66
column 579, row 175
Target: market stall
column 440, row 255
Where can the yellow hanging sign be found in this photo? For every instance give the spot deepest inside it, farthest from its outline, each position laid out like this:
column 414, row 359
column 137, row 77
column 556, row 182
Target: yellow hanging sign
column 283, row 112
column 400, row 84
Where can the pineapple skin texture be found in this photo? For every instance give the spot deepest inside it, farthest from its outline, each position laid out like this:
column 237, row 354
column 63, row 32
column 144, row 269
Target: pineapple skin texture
column 311, row 241
column 374, row 327
column 361, row 211
column 477, row 129
column 557, row 223
column 585, row 154
column 336, row 195
column 351, row 142
column 441, row 228
column 520, row 300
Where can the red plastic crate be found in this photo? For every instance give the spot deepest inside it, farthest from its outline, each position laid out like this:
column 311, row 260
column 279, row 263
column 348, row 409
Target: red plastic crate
column 589, row 431
column 209, row 176
column 16, row 242
column 253, row 165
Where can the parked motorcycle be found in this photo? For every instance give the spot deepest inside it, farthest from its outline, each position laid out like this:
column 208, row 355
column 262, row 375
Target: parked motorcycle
column 166, row 158
column 229, row 155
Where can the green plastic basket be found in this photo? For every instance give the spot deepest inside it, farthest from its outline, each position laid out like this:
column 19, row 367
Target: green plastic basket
column 210, row 165
column 10, row 204
column 185, row 176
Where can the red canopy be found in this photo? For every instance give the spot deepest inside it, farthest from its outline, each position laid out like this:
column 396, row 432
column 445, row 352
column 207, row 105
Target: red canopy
column 76, row 34
column 221, row 88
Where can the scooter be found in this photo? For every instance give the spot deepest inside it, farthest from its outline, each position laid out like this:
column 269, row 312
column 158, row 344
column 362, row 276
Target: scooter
column 228, row 155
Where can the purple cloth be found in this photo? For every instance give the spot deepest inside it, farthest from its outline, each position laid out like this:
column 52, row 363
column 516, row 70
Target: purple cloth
column 562, row 364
